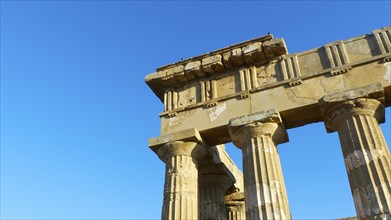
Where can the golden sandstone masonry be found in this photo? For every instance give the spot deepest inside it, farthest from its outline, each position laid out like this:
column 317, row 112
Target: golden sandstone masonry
column 249, row 94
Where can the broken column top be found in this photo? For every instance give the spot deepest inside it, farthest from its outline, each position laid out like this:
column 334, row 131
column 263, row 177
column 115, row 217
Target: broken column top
column 258, row 50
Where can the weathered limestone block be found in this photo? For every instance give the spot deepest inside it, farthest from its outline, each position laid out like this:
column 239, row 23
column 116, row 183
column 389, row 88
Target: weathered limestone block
column 235, row 205
column 366, row 154
column 194, row 68
column 257, row 135
column 222, row 160
column 274, row 48
column 253, row 53
column 236, row 57
column 213, row 64
column 176, row 72
column 227, row 60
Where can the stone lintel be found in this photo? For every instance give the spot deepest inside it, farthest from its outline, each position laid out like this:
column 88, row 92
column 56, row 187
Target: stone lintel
column 328, row 102
column 190, row 135
column 374, row 91
column 234, row 197
column 225, row 163
column 268, row 116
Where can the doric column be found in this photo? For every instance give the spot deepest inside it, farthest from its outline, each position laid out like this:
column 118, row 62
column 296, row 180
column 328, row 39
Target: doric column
column 257, row 135
column 180, row 152
column 365, row 151
column 181, row 181
column 235, row 206
column 212, row 189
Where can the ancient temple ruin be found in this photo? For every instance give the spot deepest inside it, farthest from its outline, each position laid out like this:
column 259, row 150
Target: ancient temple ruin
column 249, row 94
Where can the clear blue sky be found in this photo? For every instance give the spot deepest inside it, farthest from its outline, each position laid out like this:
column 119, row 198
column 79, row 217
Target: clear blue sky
column 76, row 114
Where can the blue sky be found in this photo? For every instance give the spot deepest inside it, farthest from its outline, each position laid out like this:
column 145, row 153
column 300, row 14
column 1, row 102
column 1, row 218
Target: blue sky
column 76, row 114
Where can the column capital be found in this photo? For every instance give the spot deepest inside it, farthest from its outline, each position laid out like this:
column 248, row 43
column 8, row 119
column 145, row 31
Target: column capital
column 177, row 148
column 266, row 123
column 344, row 110
column 341, row 105
column 187, row 142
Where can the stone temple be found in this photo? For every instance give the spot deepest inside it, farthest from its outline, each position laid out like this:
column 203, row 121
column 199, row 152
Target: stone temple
column 249, row 94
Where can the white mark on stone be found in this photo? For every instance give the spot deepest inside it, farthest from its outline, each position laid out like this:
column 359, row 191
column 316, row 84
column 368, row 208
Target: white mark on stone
column 268, row 149
column 372, row 195
column 365, row 199
column 357, row 158
column 362, row 158
column 216, row 111
column 173, row 121
column 387, row 76
column 266, row 190
column 250, row 48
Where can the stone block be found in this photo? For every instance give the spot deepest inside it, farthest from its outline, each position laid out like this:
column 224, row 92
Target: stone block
column 174, row 70
column 236, row 57
column 236, row 196
column 194, row 68
column 227, row 60
column 221, row 157
column 213, row 64
column 253, row 53
column 263, row 116
column 374, row 91
column 190, row 134
column 274, row 48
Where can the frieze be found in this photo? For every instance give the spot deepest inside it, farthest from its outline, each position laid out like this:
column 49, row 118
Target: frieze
column 336, row 54
column 257, row 65
column 383, row 39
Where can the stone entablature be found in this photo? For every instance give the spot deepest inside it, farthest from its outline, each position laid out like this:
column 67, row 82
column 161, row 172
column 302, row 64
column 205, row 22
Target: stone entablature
column 249, row 94
column 257, row 65
column 298, row 80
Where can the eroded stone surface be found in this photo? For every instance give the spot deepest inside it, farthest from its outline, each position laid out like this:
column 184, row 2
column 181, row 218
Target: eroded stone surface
column 181, row 180
column 235, row 205
column 225, row 95
column 355, row 115
column 257, row 135
column 239, row 78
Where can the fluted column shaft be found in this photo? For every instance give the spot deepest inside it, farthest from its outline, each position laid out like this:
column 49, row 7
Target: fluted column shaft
column 236, row 211
column 366, row 154
column 181, row 180
column 212, row 189
column 265, row 193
